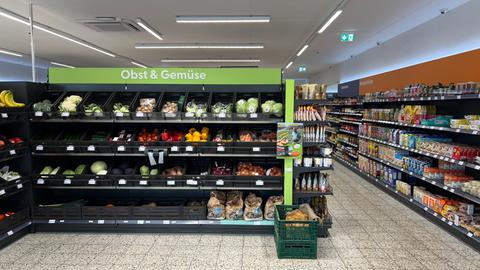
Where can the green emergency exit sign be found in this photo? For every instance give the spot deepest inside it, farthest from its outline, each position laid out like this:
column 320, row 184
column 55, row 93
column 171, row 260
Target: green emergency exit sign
column 347, row 37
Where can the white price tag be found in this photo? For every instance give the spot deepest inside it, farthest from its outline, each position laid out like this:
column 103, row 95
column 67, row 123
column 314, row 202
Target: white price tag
column 452, row 190
column 121, row 148
column 425, row 208
column 189, row 114
column 91, row 148
column 253, row 115
column 435, row 214
column 143, row 182
column 139, row 114
column 192, row 182
column 444, row 219
column 461, row 163
column 39, row 148
column 166, row 222
column 13, row 152
column 65, row 114
column 122, row 182
column 445, row 187
column 40, row 181
column 259, row 183
column 170, row 183
column 92, row 182
column 396, row 191
column 189, row 148
column 475, row 132
column 141, row 148
column 450, row 223
column 67, row 182
column 457, row 130
column 70, row 148
column 256, row 149
column 469, row 234
column 119, row 114
column 174, row 149
column 4, row 115
column 219, row 183
column 38, row 114
column 19, row 186
column 411, row 200
column 10, row 233
column 220, row 148
column 222, row 115
column 477, row 167
column 101, row 221
column 51, row 221
column 459, row 96
column 140, row 221
column 2, row 192
column 434, row 182
column 442, row 97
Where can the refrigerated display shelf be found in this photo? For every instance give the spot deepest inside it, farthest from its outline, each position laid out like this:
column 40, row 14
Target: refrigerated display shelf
column 348, row 143
column 345, row 113
column 428, row 154
column 445, row 129
column 425, row 98
column 348, row 132
column 449, row 189
column 458, row 231
column 144, row 154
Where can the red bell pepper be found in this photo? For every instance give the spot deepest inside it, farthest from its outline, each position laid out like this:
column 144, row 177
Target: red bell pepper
column 164, row 135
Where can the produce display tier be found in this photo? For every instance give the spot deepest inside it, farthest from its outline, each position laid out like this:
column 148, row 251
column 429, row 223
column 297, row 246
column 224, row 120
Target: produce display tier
column 438, row 184
column 13, row 234
column 449, row 226
column 428, row 154
column 13, row 187
column 424, row 99
column 10, row 153
column 13, row 115
column 445, row 129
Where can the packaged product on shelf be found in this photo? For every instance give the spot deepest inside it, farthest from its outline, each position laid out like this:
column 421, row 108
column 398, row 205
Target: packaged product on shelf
column 70, row 103
column 120, row 108
column 472, row 187
column 267, row 136
column 272, row 107
column 311, row 91
column 234, row 206
column 216, row 205
column 403, row 188
column 253, row 210
column 269, row 211
column 247, row 106
column 145, row 136
column 170, row 107
column 311, row 113
column 146, row 105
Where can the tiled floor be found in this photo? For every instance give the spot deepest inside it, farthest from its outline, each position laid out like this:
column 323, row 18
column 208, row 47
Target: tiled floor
column 371, row 231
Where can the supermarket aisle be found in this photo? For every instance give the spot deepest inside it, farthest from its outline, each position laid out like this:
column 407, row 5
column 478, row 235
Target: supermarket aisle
column 371, row 231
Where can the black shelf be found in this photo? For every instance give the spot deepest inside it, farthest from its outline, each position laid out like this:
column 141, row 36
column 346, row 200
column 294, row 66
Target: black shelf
column 424, row 99
column 324, row 123
column 349, row 122
column 348, row 132
column 320, row 102
column 299, row 170
column 348, row 143
column 308, row 194
column 445, row 129
column 449, row 226
column 13, row 187
column 343, row 150
column 345, row 113
column 310, row 144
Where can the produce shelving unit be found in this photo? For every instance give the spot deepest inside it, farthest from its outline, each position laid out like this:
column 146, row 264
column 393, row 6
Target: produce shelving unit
column 232, row 85
column 308, row 195
column 446, row 105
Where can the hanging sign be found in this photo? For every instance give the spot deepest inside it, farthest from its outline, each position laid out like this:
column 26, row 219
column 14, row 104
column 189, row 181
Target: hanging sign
column 289, row 139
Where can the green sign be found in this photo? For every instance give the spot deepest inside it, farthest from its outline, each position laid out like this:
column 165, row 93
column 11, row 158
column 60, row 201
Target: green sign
column 347, row 37
column 165, row 75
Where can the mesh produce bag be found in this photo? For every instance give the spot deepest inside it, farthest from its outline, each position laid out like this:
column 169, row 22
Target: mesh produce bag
column 234, row 207
column 269, row 212
column 216, row 205
column 253, row 210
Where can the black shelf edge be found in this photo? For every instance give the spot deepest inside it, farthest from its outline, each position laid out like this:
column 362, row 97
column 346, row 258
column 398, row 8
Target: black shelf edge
column 310, row 144
column 425, row 99
column 451, row 190
column 345, row 113
column 348, row 132
column 348, row 143
column 299, row 170
column 428, row 154
column 457, row 231
column 13, row 231
column 68, row 187
column 308, row 194
column 347, row 152
column 332, row 142
column 87, row 154
column 13, row 187
column 321, row 102
column 349, row 122
column 445, row 129
column 325, row 123
column 154, row 121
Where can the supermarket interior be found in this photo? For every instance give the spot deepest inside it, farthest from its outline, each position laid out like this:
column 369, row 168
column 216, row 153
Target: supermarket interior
column 240, row 134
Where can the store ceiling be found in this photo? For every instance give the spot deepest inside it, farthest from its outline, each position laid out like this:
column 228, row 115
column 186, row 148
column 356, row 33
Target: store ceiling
column 292, row 22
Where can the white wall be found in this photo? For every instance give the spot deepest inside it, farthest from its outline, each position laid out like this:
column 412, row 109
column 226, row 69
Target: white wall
column 18, row 72
column 452, row 33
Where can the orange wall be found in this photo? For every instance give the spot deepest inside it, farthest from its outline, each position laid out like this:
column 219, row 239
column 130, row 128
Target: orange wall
column 464, row 67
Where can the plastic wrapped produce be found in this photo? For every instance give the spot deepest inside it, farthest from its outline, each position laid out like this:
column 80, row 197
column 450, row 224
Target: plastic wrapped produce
column 234, row 207
column 216, row 205
column 253, row 210
column 269, row 212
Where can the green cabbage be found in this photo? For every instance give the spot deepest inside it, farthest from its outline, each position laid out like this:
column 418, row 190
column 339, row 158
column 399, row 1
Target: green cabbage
column 98, row 166
column 252, row 105
column 241, row 106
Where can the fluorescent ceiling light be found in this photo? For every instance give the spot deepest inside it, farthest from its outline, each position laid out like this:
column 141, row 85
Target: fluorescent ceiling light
column 197, row 46
column 149, row 28
column 289, row 64
column 61, row 65
column 330, row 21
column 223, row 19
column 13, row 16
column 210, row 60
column 10, row 53
column 138, row 64
column 302, row 50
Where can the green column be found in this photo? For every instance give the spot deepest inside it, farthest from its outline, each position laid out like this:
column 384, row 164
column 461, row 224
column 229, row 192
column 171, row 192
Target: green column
column 288, row 162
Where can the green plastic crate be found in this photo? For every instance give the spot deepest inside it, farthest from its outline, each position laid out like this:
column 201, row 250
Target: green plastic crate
column 294, row 239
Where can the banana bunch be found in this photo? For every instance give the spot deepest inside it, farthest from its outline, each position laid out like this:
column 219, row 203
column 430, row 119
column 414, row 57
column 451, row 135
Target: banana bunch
column 6, row 100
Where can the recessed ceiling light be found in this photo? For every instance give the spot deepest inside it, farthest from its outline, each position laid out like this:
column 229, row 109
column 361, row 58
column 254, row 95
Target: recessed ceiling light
column 330, row 21
column 289, row 64
column 138, row 64
column 224, row 19
column 149, row 28
column 10, row 53
column 210, row 60
column 61, row 65
column 197, row 46
column 13, row 16
column 302, row 50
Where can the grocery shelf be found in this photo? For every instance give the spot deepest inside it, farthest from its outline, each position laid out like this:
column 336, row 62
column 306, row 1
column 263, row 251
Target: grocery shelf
column 324, row 123
column 345, row 113
column 347, row 131
column 331, row 131
column 348, row 143
column 13, row 153
column 321, row 102
column 343, row 150
column 13, row 187
column 310, row 144
column 14, row 231
column 299, row 170
column 445, row 129
column 424, row 99
column 428, row 154
column 458, row 231
column 330, row 141
column 309, row 194
column 449, row 189
column 350, row 122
